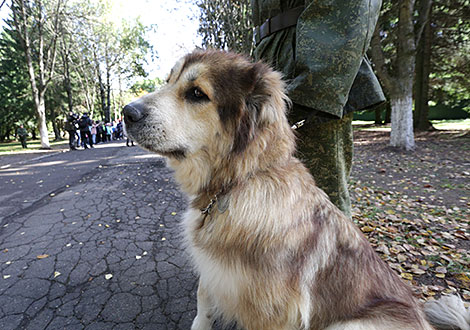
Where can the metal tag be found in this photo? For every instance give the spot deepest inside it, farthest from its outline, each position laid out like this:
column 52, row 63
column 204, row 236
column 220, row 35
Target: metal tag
column 223, row 203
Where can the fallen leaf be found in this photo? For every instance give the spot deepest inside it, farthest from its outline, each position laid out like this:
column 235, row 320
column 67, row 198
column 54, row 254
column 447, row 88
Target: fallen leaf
column 6, row 276
column 42, row 256
column 441, row 270
column 407, row 276
column 367, row 229
column 108, row 276
column 56, row 274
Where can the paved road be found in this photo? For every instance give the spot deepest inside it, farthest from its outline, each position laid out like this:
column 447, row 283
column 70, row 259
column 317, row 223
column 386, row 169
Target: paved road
column 91, row 240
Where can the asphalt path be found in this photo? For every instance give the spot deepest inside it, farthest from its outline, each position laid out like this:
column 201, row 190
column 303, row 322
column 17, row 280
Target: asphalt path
column 91, row 239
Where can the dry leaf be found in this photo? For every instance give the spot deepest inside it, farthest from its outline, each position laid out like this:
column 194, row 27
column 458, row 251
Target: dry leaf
column 42, row 256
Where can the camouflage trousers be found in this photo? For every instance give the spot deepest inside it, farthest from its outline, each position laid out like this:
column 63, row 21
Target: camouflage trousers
column 326, row 148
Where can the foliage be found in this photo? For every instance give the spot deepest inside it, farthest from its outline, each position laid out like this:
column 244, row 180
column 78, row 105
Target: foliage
column 16, row 105
column 226, row 24
column 145, row 86
column 96, row 56
column 450, row 77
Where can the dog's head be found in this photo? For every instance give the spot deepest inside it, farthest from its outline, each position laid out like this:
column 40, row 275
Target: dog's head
column 211, row 97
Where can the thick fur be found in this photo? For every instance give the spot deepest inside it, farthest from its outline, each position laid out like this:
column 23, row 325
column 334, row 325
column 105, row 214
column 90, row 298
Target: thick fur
column 273, row 252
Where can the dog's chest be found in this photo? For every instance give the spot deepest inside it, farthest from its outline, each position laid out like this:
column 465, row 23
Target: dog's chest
column 223, row 279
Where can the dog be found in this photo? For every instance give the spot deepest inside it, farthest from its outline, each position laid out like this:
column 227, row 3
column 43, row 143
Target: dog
column 271, row 250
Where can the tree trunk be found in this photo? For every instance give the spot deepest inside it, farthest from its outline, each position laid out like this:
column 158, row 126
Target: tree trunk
column 378, row 115
column 423, row 68
column 402, row 121
column 55, row 128
column 388, row 114
column 42, row 124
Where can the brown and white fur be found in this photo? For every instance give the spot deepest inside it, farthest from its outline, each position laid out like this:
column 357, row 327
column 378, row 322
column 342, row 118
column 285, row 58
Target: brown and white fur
column 272, row 252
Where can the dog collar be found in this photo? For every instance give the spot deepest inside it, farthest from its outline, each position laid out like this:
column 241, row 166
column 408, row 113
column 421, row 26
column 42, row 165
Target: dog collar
column 222, row 204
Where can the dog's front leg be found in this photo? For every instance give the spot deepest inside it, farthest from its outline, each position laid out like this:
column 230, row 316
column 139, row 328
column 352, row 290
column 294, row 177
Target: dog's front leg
column 203, row 319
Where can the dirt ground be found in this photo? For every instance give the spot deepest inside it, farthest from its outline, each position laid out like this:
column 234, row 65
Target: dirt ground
column 414, row 207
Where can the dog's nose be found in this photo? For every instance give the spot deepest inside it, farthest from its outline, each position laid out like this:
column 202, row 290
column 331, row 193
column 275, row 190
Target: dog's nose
column 133, row 113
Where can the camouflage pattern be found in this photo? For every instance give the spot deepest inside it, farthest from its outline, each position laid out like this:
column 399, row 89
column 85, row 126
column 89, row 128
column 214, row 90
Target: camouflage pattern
column 323, row 57
column 326, row 149
column 323, row 61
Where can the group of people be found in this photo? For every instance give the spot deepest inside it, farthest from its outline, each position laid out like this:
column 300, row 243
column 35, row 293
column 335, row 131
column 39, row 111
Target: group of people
column 84, row 132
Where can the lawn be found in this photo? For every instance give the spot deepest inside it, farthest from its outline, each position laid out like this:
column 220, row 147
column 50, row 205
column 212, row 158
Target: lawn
column 33, row 145
column 458, row 124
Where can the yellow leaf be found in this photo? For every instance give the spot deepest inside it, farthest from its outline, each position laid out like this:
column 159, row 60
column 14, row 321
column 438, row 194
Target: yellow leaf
column 173, row 213
column 441, row 275
column 407, row 276
column 42, row 256
column 367, row 229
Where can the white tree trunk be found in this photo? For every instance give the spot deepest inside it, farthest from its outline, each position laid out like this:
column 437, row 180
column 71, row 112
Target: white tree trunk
column 42, row 124
column 402, row 135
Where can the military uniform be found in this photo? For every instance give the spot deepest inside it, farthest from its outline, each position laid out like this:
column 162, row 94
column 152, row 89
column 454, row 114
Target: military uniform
column 23, row 135
column 323, row 61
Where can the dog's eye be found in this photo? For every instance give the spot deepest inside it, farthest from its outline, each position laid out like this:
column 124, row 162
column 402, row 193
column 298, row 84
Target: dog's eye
column 195, row 94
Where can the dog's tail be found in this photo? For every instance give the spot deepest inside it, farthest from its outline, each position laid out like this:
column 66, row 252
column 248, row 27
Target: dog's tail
column 448, row 313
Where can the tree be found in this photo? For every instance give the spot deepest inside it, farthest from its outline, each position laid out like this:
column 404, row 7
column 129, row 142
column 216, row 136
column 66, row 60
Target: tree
column 16, row 105
column 394, row 56
column 421, row 83
column 226, row 24
column 450, row 69
column 36, row 24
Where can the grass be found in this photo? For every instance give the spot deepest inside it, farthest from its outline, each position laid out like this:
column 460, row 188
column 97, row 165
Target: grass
column 458, row 124
column 448, row 124
column 15, row 146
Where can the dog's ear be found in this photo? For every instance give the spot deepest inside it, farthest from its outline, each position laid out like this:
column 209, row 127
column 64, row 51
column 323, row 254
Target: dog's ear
column 264, row 103
column 247, row 98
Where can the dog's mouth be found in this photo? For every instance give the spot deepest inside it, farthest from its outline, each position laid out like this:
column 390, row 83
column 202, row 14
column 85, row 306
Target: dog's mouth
column 178, row 154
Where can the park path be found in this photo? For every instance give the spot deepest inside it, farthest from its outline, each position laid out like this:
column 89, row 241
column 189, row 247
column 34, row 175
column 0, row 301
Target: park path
column 95, row 245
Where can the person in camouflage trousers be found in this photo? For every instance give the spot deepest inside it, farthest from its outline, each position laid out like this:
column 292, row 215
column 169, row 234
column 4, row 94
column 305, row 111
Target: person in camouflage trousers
column 322, row 57
column 22, row 135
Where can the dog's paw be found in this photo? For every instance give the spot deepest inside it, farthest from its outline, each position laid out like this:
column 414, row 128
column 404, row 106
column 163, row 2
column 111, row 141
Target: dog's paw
column 201, row 323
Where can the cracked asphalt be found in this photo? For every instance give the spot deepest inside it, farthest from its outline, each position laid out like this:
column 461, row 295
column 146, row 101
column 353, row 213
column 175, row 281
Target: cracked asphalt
column 95, row 245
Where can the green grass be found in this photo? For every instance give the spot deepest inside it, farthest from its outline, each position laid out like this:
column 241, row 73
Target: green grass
column 457, row 124
column 448, row 124
column 15, row 146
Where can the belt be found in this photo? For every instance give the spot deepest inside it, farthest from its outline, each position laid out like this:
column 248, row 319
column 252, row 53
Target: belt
column 279, row 22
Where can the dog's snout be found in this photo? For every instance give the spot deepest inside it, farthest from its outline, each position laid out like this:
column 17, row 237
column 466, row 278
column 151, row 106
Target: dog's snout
column 133, row 113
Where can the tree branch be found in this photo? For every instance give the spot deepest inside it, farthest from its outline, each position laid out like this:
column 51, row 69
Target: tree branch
column 378, row 59
column 424, row 15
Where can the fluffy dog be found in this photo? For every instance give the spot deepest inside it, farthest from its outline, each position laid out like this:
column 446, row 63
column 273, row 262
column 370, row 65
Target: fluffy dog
column 271, row 250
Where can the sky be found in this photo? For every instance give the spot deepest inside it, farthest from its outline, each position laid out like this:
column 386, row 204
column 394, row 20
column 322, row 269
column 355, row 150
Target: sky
column 176, row 28
column 176, row 31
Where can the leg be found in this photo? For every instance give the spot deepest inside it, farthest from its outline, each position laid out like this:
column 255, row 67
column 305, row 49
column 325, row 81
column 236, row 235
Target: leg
column 326, row 149
column 203, row 320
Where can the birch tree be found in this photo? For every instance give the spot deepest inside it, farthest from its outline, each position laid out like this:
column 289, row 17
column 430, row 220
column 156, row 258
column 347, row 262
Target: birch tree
column 394, row 60
column 226, row 24
column 36, row 23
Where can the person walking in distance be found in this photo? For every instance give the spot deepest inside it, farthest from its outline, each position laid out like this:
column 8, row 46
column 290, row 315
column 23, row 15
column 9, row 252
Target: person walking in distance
column 84, row 124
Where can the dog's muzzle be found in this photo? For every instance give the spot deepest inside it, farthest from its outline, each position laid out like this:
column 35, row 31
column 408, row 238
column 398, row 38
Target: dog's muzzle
column 133, row 113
